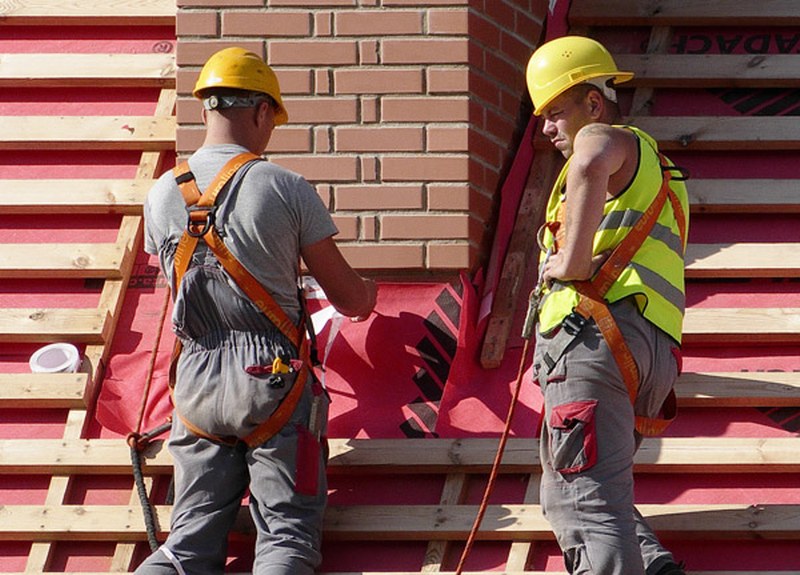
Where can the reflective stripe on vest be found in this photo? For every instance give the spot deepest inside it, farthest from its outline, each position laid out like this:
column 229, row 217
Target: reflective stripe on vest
column 655, row 274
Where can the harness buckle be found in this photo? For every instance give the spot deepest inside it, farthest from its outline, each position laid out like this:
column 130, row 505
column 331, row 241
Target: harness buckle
column 573, row 323
column 195, row 219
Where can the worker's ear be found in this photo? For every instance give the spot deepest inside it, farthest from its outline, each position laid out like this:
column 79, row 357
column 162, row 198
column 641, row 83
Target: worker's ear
column 595, row 103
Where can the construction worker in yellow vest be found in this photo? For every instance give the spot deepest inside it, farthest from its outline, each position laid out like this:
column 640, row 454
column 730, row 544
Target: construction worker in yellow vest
column 610, row 318
column 229, row 229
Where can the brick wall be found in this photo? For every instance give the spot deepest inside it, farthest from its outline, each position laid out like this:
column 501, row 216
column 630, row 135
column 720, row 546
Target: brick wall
column 401, row 112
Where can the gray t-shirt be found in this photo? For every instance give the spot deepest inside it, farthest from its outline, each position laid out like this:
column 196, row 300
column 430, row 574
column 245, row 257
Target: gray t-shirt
column 266, row 215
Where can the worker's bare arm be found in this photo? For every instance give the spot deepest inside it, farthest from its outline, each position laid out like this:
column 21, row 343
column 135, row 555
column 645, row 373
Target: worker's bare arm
column 347, row 291
column 600, row 151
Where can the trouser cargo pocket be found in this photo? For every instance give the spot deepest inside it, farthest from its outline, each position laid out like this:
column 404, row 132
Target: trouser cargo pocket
column 573, row 440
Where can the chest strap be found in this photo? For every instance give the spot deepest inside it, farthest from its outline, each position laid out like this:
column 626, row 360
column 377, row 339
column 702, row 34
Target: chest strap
column 592, row 304
column 201, row 225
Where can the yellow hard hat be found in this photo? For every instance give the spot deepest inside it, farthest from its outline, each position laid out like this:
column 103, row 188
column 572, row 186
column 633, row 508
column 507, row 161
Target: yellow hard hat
column 241, row 69
column 568, row 61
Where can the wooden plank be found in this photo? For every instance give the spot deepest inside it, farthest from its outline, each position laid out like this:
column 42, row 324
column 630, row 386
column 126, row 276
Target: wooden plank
column 78, row 196
column 42, row 390
column 683, row 13
column 89, row 12
column 87, row 133
column 743, row 260
column 100, row 260
column 739, row 389
column 753, row 325
column 420, row 456
column 744, row 196
column 710, row 70
column 71, row 70
column 518, row 257
column 722, row 132
column 719, row 133
column 407, row 522
column 46, row 325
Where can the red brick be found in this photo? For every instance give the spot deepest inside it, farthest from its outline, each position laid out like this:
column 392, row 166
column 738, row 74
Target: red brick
column 367, row 52
column 440, row 109
column 191, row 23
column 378, row 23
column 191, row 53
column 369, row 168
column 316, row 3
column 320, row 168
column 442, row 80
column 311, row 53
column 448, row 22
column 288, row 139
column 447, row 139
column 424, row 51
column 323, row 24
column 378, row 81
column 378, row 139
column 188, row 139
column 448, row 197
column 322, row 81
column 294, row 81
column 325, row 193
column 383, row 256
column 369, row 228
column 348, row 227
column 265, row 24
column 429, row 167
column 189, row 111
column 451, row 255
column 399, row 3
column 321, row 110
column 483, row 32
column 369, row 109
column 422, row 227
column 322, row 140
column 216, row 3
column 380, row 197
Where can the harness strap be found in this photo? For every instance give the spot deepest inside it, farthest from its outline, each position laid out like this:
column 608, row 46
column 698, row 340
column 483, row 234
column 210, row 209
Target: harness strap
column 592, row 304
column 201, row 225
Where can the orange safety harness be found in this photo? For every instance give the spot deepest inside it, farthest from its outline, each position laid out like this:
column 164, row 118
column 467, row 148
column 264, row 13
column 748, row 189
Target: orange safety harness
column 201, row 208
column 592, row 303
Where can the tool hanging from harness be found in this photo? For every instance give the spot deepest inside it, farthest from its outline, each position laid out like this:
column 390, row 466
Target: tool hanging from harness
column 201, row 208
column 592, row 303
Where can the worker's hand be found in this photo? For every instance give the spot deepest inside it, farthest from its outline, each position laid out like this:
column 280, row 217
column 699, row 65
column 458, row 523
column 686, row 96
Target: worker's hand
column 372, row 298
column 559, row 268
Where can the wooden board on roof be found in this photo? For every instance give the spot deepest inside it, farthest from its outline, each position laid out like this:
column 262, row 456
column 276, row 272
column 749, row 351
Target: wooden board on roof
column 71, row 70
column 74, row 196
column 89, row 12
column 683, row 13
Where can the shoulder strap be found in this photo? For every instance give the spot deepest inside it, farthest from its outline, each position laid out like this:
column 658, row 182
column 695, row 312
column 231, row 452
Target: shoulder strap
column 201, row 210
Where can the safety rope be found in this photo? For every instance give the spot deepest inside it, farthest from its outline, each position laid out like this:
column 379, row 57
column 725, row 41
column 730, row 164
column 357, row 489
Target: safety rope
column 496, row 464
column 138, row 441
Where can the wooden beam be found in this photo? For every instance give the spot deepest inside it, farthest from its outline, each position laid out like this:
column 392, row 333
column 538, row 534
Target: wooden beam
column 743, row 260
column 719, row 133
column 406, row 522
column 78, row 196
column 739, row 389
column 60, row 260
column 42, row 390
column 722, row 132
column 744, row 196
column 74, row 70
column 89, row 12
column 87, row 133
column 752, row 325
column 710, row 70
column 764, row 13
column 45, row 325
column 422, row 456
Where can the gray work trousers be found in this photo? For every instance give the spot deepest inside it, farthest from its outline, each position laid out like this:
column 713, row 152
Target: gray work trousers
column 588, row 443
column 210, row 481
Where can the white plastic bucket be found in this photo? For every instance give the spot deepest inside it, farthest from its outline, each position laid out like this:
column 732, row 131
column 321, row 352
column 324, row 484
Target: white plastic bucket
column 55, row 358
